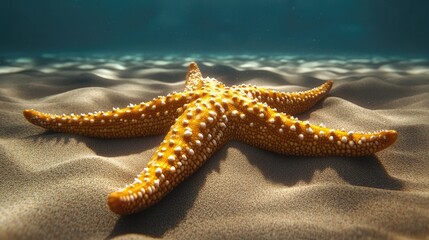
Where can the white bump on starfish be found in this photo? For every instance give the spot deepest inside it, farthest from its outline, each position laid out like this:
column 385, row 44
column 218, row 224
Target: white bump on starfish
column 200, row 136
column 191, row 152
column 158, row 171
column 187, row 133
column 171, row 159
column 178, row 149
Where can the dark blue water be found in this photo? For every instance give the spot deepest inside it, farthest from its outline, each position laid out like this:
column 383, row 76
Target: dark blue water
column 383, row 27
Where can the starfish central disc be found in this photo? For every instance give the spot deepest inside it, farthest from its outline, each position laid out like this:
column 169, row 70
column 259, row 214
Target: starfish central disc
column 199, row 120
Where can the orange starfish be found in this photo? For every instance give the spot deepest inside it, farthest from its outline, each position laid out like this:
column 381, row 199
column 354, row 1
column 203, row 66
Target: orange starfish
column 199, row 120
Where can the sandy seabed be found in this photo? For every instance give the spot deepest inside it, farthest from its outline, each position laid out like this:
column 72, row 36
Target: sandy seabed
column 54, row 186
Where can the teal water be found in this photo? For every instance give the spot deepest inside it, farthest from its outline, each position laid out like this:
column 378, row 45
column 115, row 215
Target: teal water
column 353, row 27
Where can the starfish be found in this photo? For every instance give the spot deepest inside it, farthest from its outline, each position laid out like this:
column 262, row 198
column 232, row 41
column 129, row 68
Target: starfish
column 202, row 118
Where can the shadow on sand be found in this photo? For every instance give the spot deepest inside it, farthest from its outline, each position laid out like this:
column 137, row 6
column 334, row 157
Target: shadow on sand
column 287, row 170
column 280, row 169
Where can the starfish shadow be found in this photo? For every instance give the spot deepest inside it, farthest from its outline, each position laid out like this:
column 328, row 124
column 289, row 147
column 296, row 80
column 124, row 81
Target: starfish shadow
column 289, row 170
column 173, row 208
column 278, row 168
column 102, row 146
column 166, row 214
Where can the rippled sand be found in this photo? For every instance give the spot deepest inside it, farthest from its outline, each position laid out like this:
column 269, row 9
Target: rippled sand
column 55, row 185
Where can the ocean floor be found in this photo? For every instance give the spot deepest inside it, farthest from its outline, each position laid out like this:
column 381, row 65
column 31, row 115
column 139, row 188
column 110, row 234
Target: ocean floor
column 56, row 185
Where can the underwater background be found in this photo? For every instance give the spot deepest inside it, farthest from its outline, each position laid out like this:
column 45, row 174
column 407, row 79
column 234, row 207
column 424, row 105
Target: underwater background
column 71, row 57
column 353, row 27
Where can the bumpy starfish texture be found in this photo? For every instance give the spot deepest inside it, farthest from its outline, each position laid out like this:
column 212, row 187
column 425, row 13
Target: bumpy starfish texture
column 202, row 118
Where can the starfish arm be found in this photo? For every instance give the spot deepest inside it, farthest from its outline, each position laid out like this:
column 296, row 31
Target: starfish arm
column 289, row 103
column 193, row 77
column 274, row 131
column 195, row 136
column 150, row 118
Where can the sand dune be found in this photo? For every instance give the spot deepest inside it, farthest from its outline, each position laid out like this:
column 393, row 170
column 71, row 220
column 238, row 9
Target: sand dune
column 55, row 185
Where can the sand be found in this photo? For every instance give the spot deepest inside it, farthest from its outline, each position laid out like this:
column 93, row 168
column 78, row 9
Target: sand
column 54, row 186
